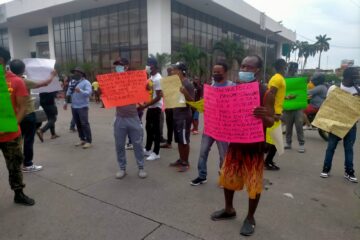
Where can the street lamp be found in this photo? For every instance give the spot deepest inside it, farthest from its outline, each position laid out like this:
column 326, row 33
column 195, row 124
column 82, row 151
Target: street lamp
column 266, row 42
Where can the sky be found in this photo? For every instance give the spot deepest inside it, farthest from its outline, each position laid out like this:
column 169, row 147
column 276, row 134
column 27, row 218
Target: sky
column 338, row 19
column 5, row 1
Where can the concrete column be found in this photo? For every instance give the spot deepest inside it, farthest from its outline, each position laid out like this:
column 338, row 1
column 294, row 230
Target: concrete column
column 159, row 26
column 279, row 50
column 51, row 39
column 18, row 42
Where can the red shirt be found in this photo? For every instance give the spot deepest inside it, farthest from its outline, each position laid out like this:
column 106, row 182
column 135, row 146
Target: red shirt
column 16, row 88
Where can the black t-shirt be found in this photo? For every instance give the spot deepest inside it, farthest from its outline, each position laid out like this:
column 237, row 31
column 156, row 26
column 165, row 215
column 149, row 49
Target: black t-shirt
column 185, row 112
column 47, row 99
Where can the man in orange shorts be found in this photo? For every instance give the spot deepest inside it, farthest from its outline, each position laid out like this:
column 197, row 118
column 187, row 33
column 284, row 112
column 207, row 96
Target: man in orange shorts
column 244, row 163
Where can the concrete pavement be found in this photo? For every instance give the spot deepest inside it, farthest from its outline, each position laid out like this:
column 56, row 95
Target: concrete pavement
column 78, row 197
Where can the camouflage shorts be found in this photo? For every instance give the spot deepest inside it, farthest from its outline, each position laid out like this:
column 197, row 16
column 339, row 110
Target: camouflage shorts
column 12, row 152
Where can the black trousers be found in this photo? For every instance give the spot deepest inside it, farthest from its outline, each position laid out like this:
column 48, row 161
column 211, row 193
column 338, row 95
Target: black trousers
column 51, row 114
column 271, row 154
column 28, row 130
column 153, row 129
column 169, row 125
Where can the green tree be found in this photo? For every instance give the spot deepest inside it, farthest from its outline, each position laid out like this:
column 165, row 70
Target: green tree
column 163, row 59
column 308, row 50
column 322, row 45
column 193, row 57
column 233, row 51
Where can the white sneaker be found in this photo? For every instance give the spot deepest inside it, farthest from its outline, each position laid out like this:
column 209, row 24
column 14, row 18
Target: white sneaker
column 142, row 173
column 129, row 146
column 81, row 143
column 301, row 149
column 33, row 168
column 147, row 153
column 86, row 146
column 153, row 157
column 120, row 174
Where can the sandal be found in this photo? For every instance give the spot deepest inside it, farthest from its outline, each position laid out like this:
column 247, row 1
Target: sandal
column 222, row 215
column 247, row 228
column 39, row 133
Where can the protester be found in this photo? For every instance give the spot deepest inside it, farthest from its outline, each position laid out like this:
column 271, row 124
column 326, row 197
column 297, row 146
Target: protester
column 317, row 96
column 10, row 142
column 153, row 113
column 47, row 102
column 244, row 163
column 80, row 92
column 127, row 123
column 28, row 124
column 348, row 84
column 292, row 117
column 169, row 120
column 278, row 87
column 219, row 74
column 67, row 83
column 95, row 87
column 195, row 113
column 182, row 119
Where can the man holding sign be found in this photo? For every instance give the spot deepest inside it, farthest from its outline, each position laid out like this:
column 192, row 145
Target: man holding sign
column 244, row 162
column 127, row 122
column 10, row 142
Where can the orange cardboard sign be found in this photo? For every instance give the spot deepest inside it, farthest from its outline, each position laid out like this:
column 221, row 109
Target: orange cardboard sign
column 121, row 89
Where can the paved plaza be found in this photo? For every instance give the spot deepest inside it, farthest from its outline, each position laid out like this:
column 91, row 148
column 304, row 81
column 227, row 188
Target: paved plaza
column 78, row 197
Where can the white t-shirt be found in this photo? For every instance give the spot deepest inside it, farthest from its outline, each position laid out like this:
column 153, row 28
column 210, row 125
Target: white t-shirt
column 351, row 90
column 156, row 87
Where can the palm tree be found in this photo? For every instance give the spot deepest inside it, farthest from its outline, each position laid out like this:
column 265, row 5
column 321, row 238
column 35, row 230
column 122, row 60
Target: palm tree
column 162, row 58
column 192, row 56
column 308, row 50
column 233, row 51
column 322, row 44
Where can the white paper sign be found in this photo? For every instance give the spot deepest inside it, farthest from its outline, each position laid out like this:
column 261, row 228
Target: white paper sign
column 39, row 69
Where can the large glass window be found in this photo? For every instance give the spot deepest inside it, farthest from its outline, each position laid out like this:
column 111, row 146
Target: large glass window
column 202, row 30
column 101, row 35
column 4, row 38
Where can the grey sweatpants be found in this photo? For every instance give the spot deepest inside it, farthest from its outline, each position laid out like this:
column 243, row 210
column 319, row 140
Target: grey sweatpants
column 292, row 117
column 133, row 128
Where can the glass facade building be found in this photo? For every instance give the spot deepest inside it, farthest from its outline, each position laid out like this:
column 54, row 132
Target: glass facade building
column 203, row 30
column 4, row 38
column 101, row 35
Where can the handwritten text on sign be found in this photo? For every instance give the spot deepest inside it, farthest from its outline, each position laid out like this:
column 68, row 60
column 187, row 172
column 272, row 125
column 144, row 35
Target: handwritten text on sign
column 121, row 89
column 228, row 113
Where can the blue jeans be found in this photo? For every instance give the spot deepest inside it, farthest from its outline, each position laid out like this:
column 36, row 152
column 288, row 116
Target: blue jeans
column 133, row 128
column 206, row 143
column 81, row 118
column 349, row 141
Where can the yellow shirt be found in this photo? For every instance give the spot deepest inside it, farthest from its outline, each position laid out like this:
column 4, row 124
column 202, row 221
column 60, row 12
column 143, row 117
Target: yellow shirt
column 278, row 81
column 310, row 85
column 95, row 85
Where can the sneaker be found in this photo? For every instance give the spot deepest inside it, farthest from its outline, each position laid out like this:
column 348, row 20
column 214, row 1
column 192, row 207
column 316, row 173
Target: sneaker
column 120, row 174
column 301, row 149
column 175, row 164
column 287, row 146
column 21, row 198
column 325, row 172
column 165, row 145
column 147, row 153
column 271, row 166
column 54, row 136
column 32, row 168
column 153, row 156
column 351, row 177
column 183, row 167
column 142, row 173
column 87, row 145
column 129, row 146
column 197, row 181
column 81, row 143
column 307, row 127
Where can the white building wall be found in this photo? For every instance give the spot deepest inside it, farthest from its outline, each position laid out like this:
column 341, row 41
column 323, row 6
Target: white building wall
column 35, row 39
column 51, row 38
column 19, row 42
column 159, row 26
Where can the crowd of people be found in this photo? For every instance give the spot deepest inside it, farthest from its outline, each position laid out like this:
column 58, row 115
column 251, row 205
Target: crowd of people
column 240, row 164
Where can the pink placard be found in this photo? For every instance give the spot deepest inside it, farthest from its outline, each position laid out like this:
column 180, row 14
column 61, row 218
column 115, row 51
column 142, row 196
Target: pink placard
column 228, row 113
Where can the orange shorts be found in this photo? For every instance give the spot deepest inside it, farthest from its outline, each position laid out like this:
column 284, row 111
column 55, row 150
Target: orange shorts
column 242, row 167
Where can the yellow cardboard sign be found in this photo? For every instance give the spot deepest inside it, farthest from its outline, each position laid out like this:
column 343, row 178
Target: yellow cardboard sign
column 338, row 113
column 170, row 87
column 199, row 105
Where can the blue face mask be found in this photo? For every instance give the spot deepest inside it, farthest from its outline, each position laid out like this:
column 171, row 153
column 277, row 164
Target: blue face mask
column 120, row 69
column 246, row 76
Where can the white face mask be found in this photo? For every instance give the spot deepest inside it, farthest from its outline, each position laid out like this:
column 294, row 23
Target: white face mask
column 148, row 69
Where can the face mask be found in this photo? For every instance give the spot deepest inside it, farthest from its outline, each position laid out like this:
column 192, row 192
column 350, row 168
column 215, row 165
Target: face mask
column 119, row 69
column 246, row 76
column 218, row 77
column 76, row 77
column 148, row 69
